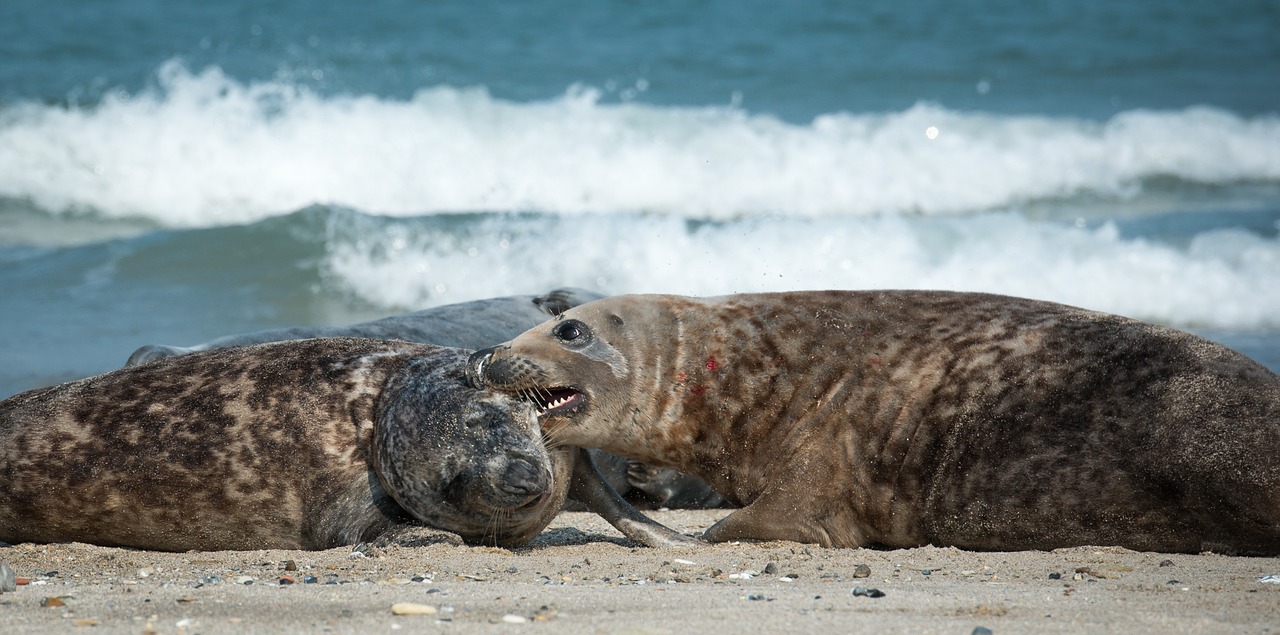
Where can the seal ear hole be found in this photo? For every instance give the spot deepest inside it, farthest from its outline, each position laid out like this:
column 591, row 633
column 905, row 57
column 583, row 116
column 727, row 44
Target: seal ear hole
column 616, row 320
column 571, row 331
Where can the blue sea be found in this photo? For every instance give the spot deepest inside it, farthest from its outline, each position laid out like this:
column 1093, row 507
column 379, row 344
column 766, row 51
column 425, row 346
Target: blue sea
column 172, row 172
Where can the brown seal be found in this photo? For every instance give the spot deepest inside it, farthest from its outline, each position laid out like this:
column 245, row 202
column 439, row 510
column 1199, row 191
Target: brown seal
column 308, row 444
column 477, row 324
column 906, row 418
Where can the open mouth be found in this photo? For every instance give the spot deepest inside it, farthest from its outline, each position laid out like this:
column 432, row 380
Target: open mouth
column 536, row 501
column 552, row 402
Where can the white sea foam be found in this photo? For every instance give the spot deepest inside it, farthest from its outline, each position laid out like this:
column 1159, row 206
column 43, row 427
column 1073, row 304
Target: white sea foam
column 1225, row 278
column 206, row 150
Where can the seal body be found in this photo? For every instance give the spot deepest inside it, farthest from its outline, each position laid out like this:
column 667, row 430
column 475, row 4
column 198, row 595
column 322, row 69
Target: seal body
column 906, row 418
column 298, row 445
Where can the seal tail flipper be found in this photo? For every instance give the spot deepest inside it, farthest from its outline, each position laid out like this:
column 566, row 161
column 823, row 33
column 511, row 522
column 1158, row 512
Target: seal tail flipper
column 152, row 352
column 665, row 487
column 558, row 301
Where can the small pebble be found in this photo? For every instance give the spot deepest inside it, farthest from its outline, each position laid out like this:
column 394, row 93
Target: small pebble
column 308, row 579
column 1055, row 576
column 1270, row 579
column 861, row 571
column 290, row 565
column 286, row 580
column 756, row 598
column 514, row 619
column 981, row 630
column 1166, row 563
column 410, row 608
column 8, row 579
column 244, row 579
column 770, row 568
column 867, row 592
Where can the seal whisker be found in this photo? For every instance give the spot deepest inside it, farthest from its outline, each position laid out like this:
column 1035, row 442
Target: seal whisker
column 497, row 520
column 544, row 398
column 552, row 439
column 528, row 395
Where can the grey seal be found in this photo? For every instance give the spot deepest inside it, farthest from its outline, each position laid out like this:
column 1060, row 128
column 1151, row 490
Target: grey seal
column 907, row 418
column 306, row 444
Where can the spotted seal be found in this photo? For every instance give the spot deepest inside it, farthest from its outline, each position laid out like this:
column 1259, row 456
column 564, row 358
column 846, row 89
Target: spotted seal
column 307, row 444
column 907, row 418
column 477, row 324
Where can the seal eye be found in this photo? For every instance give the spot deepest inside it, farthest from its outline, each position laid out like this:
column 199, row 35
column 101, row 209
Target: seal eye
column 571, row 331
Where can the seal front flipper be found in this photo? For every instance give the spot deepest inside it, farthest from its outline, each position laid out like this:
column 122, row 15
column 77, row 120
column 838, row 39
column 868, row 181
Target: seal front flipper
column 558, row 301
column 589, row 487
column 770, row 518
column 410, row 535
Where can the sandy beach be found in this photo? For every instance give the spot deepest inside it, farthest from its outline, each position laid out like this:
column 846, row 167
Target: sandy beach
column 581, row 576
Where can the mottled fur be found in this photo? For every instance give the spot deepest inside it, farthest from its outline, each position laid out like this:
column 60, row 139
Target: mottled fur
column 299, row 445
column 904, row 418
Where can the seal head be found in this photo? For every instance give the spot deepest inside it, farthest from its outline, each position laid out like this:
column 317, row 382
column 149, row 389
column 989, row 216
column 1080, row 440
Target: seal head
column 575, row 370
column 468, row 460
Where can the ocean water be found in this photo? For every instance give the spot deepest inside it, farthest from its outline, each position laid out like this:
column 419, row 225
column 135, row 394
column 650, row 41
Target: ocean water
column 173, row 173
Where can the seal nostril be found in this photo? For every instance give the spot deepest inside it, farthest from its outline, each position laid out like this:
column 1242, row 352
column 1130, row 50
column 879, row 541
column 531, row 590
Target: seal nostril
column 476, row 365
